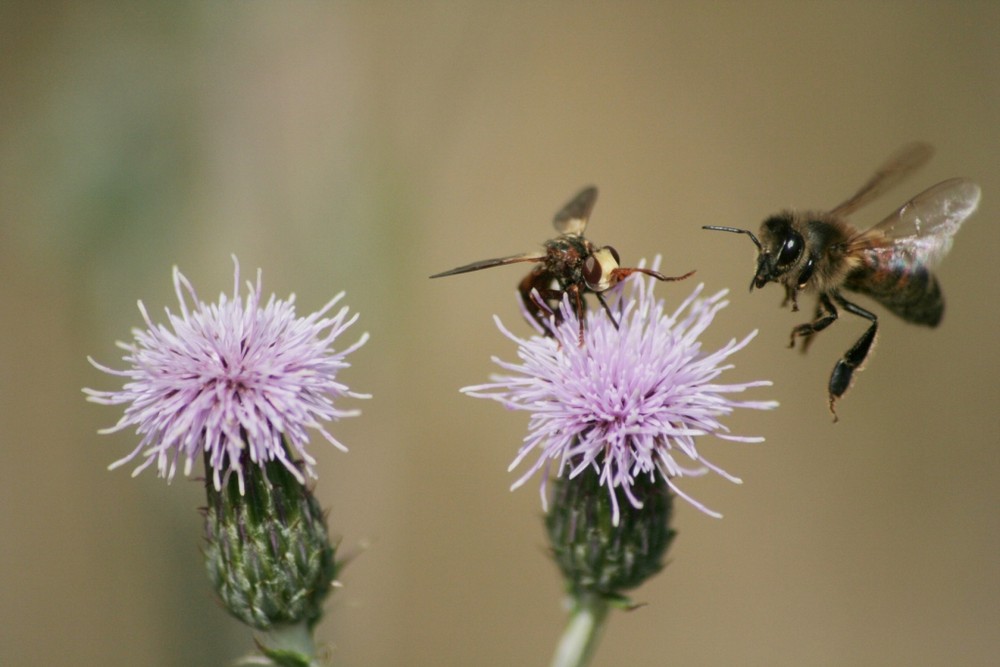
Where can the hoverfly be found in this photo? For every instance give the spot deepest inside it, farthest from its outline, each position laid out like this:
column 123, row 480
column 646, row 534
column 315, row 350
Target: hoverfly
column 568, row 264
column 819, row 251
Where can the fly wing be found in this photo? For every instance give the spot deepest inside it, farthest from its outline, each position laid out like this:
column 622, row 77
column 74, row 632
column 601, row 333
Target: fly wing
column 490, row 263
column 921, row 230
column 903, row 162
column 572, row 218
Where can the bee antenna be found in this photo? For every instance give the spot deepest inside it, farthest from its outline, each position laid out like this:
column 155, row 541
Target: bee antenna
column 736, row 230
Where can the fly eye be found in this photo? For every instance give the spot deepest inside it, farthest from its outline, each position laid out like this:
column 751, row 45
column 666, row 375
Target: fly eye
column 599, row 269
column 592, row 272
column 790, row 250
column 614, row 253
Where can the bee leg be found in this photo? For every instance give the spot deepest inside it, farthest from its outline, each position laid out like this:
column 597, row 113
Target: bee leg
column 826, row 314
column 807, row 340
column 791, row 297
column 843, row 372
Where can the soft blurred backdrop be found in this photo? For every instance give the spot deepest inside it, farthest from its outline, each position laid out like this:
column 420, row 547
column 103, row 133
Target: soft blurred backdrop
column 363, row 146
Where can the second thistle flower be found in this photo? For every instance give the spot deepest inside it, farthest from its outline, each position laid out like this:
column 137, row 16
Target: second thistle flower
column 631, row 401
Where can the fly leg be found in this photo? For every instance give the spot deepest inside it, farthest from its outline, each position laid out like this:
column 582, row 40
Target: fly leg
column 619, row 274
column 840, row 379
column 575, row 290
column 607, row 308
column 540, row 282
column 826, row 314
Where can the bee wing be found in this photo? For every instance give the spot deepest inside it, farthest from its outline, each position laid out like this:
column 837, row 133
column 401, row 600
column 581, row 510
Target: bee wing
column 903, row 162
column 572, row 218
column 490, row 263
column 922, row 229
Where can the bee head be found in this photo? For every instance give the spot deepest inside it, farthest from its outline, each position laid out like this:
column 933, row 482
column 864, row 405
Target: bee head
column 599, row 269
column 780, row 248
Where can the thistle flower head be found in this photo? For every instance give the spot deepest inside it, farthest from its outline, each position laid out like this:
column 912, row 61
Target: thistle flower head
column 631, row 400
column 238, row 380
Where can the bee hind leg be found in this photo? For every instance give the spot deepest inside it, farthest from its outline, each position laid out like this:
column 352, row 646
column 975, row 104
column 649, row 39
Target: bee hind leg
column 843, row 372
column 826, row 314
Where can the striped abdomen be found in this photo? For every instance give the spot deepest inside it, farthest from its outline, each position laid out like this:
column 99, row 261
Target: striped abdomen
column 909, row 290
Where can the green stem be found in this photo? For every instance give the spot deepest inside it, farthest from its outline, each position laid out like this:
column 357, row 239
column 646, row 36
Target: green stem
column 579, row 640
column 289, row 645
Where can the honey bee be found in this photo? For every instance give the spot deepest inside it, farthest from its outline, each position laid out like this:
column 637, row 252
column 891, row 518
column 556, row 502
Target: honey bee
column 819, row 251
column 568, row 264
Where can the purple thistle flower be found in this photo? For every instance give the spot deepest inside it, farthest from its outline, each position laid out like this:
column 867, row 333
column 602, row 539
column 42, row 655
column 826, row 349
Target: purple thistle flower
column 235, row 380
column 628, row 402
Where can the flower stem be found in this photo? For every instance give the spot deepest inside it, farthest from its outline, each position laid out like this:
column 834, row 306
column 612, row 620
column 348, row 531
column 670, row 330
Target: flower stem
column 289, row 645
column 582, row 632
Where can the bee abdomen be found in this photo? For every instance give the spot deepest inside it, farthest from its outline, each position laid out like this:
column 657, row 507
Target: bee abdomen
column 911, row 293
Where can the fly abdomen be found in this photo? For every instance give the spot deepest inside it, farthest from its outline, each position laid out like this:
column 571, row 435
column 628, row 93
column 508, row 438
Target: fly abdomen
column 912, row 293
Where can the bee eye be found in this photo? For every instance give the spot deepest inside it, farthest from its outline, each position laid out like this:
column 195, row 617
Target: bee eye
column 790, row 250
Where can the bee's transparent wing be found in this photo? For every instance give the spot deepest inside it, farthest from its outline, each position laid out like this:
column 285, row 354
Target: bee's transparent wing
column 572, row 218
column 921, row 230
column 903, row 162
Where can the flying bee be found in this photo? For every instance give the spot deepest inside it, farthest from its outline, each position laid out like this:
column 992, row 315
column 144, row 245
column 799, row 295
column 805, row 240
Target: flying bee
column 819, row 251
column 568, row 264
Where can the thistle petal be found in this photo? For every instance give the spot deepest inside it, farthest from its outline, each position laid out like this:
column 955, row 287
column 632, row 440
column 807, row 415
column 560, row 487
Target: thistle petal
column 630, row 401
column 238, row 380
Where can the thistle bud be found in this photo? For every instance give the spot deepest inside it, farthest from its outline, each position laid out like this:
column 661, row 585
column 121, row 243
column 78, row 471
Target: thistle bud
column 267, row 551
column 597, row 557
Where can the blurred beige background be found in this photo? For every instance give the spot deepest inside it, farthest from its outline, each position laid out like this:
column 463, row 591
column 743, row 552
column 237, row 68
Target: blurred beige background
column 364, row 146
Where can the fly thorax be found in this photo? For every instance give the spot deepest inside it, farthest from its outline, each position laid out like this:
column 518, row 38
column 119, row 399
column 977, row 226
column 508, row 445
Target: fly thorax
column 564, row 257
